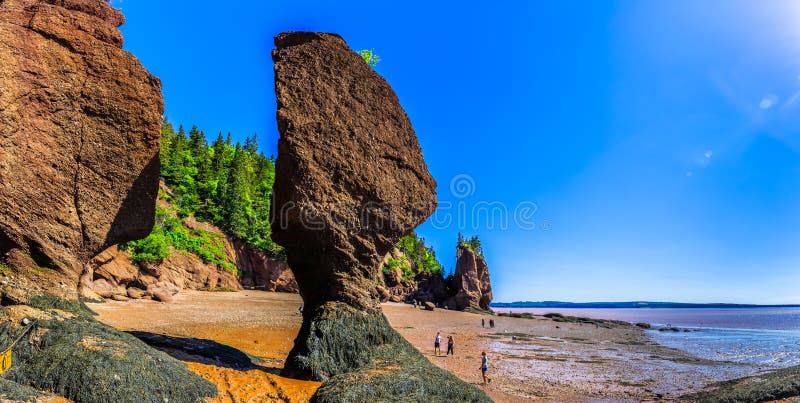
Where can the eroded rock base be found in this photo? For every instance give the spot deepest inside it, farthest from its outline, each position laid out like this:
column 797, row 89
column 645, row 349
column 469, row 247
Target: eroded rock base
column 77, row 357
column 362, row 358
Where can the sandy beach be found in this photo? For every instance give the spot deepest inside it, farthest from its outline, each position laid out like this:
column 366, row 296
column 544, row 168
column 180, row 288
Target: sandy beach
column 531, row 359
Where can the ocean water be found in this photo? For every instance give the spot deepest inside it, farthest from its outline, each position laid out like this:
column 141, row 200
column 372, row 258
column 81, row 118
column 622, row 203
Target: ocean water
column 760, row 336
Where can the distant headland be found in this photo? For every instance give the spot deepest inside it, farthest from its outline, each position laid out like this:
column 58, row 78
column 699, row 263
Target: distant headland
column 631, row 304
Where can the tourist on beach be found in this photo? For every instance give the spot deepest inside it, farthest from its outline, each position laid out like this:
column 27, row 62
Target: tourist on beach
column 436, row 344
column 450, row 346
column 491, row 323
column 483, row 322
column 485, row 368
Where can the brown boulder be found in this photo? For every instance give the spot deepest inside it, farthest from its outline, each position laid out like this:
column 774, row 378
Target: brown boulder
column 162, row 291
column 383, row 294
column 103, row 288
column 115, row 266
column 429, row 306
column 79, row 135
column 135, row 293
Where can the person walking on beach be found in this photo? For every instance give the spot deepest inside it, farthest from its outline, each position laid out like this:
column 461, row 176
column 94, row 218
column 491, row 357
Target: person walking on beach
column 451, row 345
column 491, row 323
column 436, row 344
column 485, row 368
column 483, row 322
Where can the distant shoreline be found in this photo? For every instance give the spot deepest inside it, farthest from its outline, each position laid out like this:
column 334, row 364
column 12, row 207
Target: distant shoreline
column 631, row 305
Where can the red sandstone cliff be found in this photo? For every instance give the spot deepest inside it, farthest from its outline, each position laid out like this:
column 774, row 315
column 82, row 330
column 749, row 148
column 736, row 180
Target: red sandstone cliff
column 79, row 136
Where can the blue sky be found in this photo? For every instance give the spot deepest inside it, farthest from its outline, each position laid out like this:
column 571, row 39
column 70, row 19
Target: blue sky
column 658, row 140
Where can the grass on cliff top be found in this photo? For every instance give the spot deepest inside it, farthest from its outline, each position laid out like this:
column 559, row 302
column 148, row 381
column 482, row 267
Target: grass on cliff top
column 87, row 361
column 779, row 384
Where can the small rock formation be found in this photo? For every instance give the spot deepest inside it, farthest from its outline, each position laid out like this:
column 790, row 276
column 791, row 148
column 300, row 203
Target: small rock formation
column 471, row 279
column 79, row 139
column 350, row 181
column 261, row 271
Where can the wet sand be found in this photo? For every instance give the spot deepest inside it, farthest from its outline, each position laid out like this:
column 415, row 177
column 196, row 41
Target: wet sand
column 530, row 359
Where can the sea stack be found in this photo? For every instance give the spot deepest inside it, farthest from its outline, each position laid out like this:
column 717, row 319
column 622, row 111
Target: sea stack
column 79, row 140
column 471, row 279
column 350, row 181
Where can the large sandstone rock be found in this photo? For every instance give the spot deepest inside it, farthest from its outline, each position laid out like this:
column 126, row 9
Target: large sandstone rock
column 471, row 280
column 79, row 137
column 350, row 181
column 350, row 178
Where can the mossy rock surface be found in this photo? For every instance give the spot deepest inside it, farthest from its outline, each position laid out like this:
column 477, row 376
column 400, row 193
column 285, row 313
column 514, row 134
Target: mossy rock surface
column 361, row 358
column 14, row 392
column 779, row 384
column 77, row 357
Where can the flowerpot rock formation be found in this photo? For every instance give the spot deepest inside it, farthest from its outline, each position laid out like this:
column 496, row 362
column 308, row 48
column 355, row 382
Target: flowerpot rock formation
column 350, row 181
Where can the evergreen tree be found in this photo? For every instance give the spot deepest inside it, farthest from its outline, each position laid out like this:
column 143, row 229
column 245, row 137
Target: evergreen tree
column 229, row 186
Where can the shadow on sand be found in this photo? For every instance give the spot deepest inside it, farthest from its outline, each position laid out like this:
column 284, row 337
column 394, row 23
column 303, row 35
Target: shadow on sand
column 203, row 351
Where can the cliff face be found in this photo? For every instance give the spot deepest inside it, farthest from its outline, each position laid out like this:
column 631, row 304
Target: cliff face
column 79, row 139
column 262, row 272
column 113, row 274
column 350, row 181
column 471, row 282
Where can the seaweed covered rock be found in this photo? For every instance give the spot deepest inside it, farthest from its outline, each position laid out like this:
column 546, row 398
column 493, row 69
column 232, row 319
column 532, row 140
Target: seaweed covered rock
column 79, row 137
column 778, row 385
column 71, row 354
column 350, row 181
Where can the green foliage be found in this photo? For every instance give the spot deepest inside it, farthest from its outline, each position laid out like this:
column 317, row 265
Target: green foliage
column 472, row 243
column 423, row 256
column 403, row 264
column 154, row 248
column 370, row 57
column 362, row 358
column 170, row 232
column 222, row 183
column 86, row 361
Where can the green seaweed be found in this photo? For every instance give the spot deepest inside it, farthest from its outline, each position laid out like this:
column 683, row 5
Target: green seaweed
column 361, row 358
column 86, row 361
column 12, row 391
column 779, row 384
